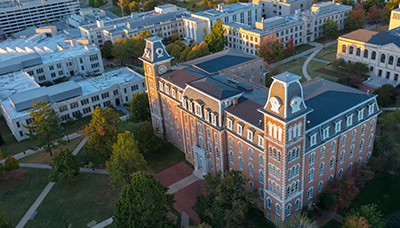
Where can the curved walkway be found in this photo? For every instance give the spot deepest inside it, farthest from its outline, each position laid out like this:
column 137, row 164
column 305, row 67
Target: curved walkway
column 311, row 57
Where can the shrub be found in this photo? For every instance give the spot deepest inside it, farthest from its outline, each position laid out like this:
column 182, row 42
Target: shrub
column 10, row 163
column 327, row 199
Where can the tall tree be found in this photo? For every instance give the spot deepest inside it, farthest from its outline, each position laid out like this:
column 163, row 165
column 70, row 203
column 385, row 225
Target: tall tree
column 106, row 51
column 125, row 160
column 225, row 201
column 148, row 142
column 371, row 213
column 1, row 139
column 139, row 107
column 65, row 166
column 354, row 221
column 45, row 127
column 102, row 133
column 289, row 45
column 330, row 28
column 300, row 220
column 374, row 13
column 387, row 9
column 123, row 4
column 143, row 203
column 216, row 40
column 10, row 163
column 4, row 222
column 271, row 48
column 355, row 20
column 134, row 7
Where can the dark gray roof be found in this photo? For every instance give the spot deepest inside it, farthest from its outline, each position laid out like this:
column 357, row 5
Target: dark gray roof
column 215, row 87
column 180, row 77
column 248, row 110
column 383, row 38
column 222, row 62
column 19, row 62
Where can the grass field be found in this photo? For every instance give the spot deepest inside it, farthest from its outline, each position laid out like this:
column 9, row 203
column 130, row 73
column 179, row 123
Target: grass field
column 22, row 193
column 293, row 67
column 332, row 224
column 115, row 10
column 43, row 157
column 381, row 29
column 328, row 53
column 88, row 198
column 313, row 65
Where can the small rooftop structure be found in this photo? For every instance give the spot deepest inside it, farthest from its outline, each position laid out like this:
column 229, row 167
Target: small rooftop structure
column 15, row 83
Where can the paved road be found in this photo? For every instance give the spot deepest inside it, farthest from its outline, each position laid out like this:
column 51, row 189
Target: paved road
column 35, row 205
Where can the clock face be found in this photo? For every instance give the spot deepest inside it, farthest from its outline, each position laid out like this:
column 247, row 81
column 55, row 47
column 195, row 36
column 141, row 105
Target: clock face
column 149, row 69
column 162, row 69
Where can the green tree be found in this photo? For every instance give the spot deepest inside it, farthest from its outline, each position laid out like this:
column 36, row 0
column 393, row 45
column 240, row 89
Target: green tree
column 119, row 49
column 143, row 203
column 1, row 139
column 346, row 2
column 91, row 3
column 65, row 166
column 327, row 199
column 386, row 94
column 106, row 51
column 394, row 160
column 355, row 20
column 148, row 142
column 134, row 7
column 139, row 107
column 203, row 225
column 125, row 160
column 45, row 127
column 354, row 221
column 4, row 222
column 387, row 9
column 271, row 48
column 1, row 164
column 10, row 163
column 369, row 3
column 371, row 213
column 216, row 40
column 123, row 4
column 102, row 133
column 225, row 201
column 330, row 28
column 150, row 4
column 300, row 220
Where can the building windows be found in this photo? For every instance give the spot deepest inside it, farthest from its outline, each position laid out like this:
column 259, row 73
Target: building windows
column 86, row 110
column 373, row 55
column 74, row 105
column 313, row 139
column 230, row 124
column 107, row 104
column 65, row 117
column 351, row 151
column 63, row 108
column 332, row 162
column 250, row 154
column 251, row 169
column 358, row 52
column 362, row 129
column 353, row 135
column 368, row 156
column 240, row 147
column 341, row 157
column 278, row 210
column 370, row 140
column 325, row 132
column 322, row 152
column 338, row 124
column 372, row 125
column 391, row 60
column 85, row 101
column 365, row 53
column 361, row 145
column 39, row 71
column 383, row 58
column 261, row 177
column 360, row 114
column 288, row 209
column 260, row 141
column 241, row 163
column 320, row 186
column 349, row 168
column 312, row 156
column 261, row 161
column 349, row 120
column 333, row 146
column 343, row 48
column 250, row 134
column 340, row 174
column 297, row 205
column 351, row 49
column 42, row 78
column 231, row 156
column 310, row 193
column 310, row 175
column 105, row 95
column 343, row 140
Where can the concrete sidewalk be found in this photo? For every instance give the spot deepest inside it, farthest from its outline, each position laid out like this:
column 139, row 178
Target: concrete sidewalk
column 46, row 166
column 182, row 184
column 80, row 145
column 311, row 57
column 35, row 205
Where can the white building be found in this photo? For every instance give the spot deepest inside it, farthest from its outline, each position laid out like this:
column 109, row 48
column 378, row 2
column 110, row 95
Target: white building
column 18, row 91
column 303, row 27
column 15, row 15
column 87, row 16
column 244, row 13
column 48, row 58
column 271, row 8
column 164, row 21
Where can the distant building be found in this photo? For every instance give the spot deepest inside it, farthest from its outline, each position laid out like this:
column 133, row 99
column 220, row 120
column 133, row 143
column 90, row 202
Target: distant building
column 46, row 56
column 303, row 27
column 87, row 16
column 290, row 140
column 379, row 51
column 17, row 15
column 164, row 21
column 244, row 13
column 271, row 8
column 69, row 99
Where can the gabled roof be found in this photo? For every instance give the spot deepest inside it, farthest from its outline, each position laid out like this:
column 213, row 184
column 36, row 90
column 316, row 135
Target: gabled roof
column 383, row 38
column 215, row 87
column 248, row 110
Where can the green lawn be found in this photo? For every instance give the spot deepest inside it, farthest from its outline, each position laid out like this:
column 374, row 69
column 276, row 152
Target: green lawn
column 332, row 224
column 328, row 53
column 313, row 65
column 22, row 193
column 383, row 191
column 166, row 157
column 303, row 47
column 293, row 67
column 76, row 125
column 115, row 10
column 88, row 198
column 43, row 157
column 256, row 219
column 381, row 29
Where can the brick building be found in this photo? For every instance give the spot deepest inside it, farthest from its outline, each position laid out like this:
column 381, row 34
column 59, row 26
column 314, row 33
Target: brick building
column 290, row 140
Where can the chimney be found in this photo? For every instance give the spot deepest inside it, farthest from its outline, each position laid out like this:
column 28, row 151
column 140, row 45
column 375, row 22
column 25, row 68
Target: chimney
column 260, row 122
column 234, row 102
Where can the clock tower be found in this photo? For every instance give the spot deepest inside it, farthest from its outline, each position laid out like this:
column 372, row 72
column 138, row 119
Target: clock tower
column 156, row 61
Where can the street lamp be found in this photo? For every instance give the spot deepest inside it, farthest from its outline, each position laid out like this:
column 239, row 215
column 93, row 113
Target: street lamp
column 65, row 222
column 293, row 56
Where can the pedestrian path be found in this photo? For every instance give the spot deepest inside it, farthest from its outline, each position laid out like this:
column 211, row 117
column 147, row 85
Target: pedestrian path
column 46, row 166
column 311, row 57
column 35, row 205
column 122, row 108
column 184, row 219
column 182, row 184
column 79, row 147
column 319, row 60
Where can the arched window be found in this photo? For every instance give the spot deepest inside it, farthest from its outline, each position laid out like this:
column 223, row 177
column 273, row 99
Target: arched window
column 333, row 146
column 320, row 186
column 311, row 175
column 341, row 157
column 359, row 161
column 288, row 191
column 208, row 133
column 370, row 140
column 293, row 172
column 289, row 174
column 297, row 169
column 270, row 185
column 251, row 186
column 201, row 141
column 312, row 155
column 351, row 49
column 261, row 193
column 274, row 171
column 310, row 192
column 251, row 169
column 353, row 135
column 269, row 203
column 340, row 173
column 365, row 53
column 250, row 154
column 297, row 205
column 343, row 140
column 289, row 156
column 270, row 152
column 343, row 48
column 322, row 152
column 218, row 168
column 230, row 142
column 298, row 152
column 362, row 130
column 352, row 150
column 383, row 58
column 373, row 123
column 358, row 52
column 321, row 169
column 279, row 156
column 240, row 147
column 241, row 163
column 217, row 152
column 179, row 136
column 231, row 156
column 261, row 177
column 293, row 154
column 211, row 164
column 373, row 55
column 361, row 144
column 275, row 154
column 209, row 148
column 270, row 169
column 288, row 209
column 279, row 173
column 350, row 165
column 278, row 210
column 368, row 156
column 398, row 62
column 297, row 186
column 330, row 178
column 332, row 162
column 391, row 60
column 261, row 161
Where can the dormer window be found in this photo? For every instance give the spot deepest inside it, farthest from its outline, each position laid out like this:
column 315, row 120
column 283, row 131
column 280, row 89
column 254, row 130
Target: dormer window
column 190, row 105
column 325, row 132
column 198, row 110
column 230, row 123
column 239, row 129
column 260, row 140
column 184, row 102
column 174, row 93
column 313, row 139
column 360, row 114
column 207, row 114
column 370, row 109
column 250, row 134
column 338, row 126
column 161, row 86
column 180, row 96
column 349, row 120
column 214, row 117
column 167, row 89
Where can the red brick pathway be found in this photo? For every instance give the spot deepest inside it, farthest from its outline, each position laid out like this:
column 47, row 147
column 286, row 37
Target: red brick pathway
column 186, row 197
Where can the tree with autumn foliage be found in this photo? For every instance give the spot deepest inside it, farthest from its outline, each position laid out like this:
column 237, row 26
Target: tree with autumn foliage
column 355, row 221
column 272, row 48
column 387, row 9
column 345, row 190
column 102, row 133
column 289, row 46
column 370, row 213
column 374, row 13
column 355, row 20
